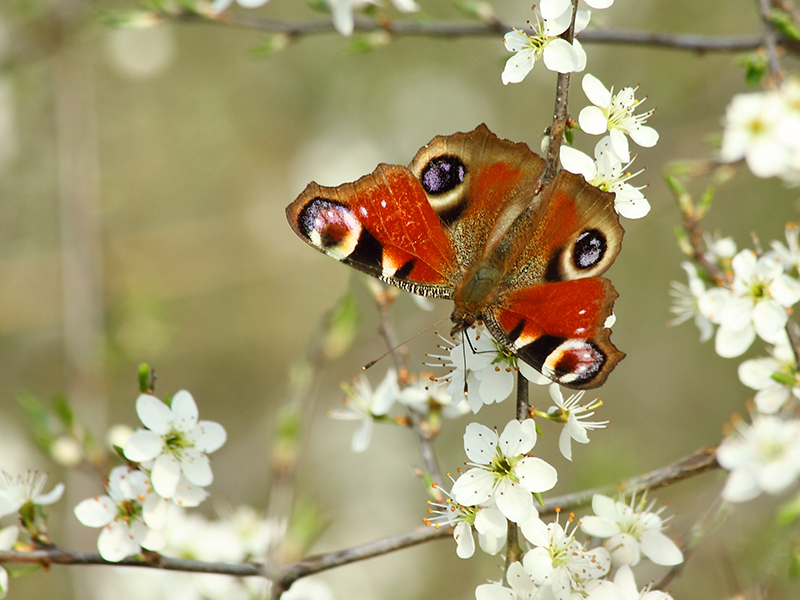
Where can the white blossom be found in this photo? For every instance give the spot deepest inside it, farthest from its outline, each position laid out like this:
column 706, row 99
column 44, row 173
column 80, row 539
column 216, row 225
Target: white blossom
column 558, row 54
column 763, row 456
column 501, row 473
column 131, row 515
column 613, row 113
column 754, row 304
column 632, row 530
column 521, row 587
column 15, row 492
column 363, row 404
column 609, row 174
column 483, row 369
column 775, row 378
column 559, row 562
column 219, row 6
column 175, row 443
column 573, row 415
column 686, row 302
column 623, row 588
column 487, row 520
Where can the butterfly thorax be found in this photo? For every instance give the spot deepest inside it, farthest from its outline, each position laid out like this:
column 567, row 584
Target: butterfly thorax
column 472, row 295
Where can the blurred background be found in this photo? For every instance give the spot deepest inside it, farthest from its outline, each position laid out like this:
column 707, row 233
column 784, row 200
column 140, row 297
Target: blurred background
column 144, row 174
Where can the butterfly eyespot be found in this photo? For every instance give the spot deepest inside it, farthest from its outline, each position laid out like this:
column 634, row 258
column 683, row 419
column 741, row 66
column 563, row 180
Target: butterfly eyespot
column 574, row 362
column 442, row 174
column 590, row 247
column 330, row 226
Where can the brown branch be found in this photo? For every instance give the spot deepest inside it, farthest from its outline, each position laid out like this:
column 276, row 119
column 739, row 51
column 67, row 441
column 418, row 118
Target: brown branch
column 770, row 42
column 699, row 462
column 451, row 30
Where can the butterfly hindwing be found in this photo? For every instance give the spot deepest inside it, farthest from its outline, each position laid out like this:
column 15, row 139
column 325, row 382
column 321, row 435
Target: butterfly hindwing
column 559, row 329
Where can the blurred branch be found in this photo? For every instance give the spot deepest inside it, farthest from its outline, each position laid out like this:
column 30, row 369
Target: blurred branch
column 770, row 41
column 449, row 29
column 696, row 463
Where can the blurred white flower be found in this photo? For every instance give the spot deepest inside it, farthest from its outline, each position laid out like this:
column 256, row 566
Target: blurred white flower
column 15, row 492
column 755, row 304
column 763, row 456
column 623, row 588
column 363, row 404
column 776, row 378
column 521, row 587
column 342, row 12
column 686, row 302
column 8, row 537
column 220, row 5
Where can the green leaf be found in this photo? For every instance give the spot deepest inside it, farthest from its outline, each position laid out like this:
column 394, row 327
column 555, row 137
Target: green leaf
column 784, row 23
column 146, row 378
column 64, row 411
column 271, row 45
column 755, row 67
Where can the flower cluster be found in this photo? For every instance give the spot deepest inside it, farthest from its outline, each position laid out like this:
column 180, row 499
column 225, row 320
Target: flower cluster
column 763, row 128
column 172, row 468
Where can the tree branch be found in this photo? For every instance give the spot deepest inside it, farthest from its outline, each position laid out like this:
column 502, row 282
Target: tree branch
column 451, row 30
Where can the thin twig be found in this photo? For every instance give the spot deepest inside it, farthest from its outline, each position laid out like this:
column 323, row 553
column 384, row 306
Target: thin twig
column 448, row 29
column 770, row 42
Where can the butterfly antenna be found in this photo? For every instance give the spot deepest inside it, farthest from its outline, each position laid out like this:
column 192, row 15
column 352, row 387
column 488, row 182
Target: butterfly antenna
column 401, row 344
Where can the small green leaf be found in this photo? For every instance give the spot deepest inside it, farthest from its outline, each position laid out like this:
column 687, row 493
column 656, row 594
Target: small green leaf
column 64, row 411
column 271, row 45
column 145, row 379
column 538, row 497
column 784, row 23
column 755, row 67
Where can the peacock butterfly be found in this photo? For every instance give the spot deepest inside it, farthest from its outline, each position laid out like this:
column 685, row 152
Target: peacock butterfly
column 467, row 221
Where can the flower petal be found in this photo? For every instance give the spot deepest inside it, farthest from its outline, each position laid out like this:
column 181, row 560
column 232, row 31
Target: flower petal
column 96, row 512
column 514, row 501
column 165, row 475
column 536, row 475
column 196, row 467
column 208, row 436
column 480, row 443
column 154, row 414
column 473, row 487
column 184, row 411
column 115, row 542
column 143, row 445
column 660, row 549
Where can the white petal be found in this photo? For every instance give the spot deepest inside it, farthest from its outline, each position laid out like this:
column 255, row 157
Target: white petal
column 8, row 537
column 632, row 205
column 362, row 436
column 143, row 445
column 595, row 91
column 740, row 487
column 551, row 9
column 465, row 543
column 518, row 438
column 473, row 487
column 520, row 581
column 599, row 526
column 645, row 136
column 154, row 511
column 184, row 411
column 96, row 512
column 786, row 290
column 515, row 41
column 514, row 501
column 491, row 520
column 660, row 549
column 625, row 550
column 480, row 443
column 619, row 144
column 757, row 373
column 730, row 343
column 165, row 475
column 592, row 120
column 535, row 475
column 561, row 56
column 154, row 414
column 769, row 319
column 189, row 495
column 538, row 564
column 599, row 4
column 518, row 66
column 53, row 496
column 196, row 467
column 343, row 21
column 220, row 5
column 771, row 399
column 208, row 436
column 576, row 161
column 115, row 542
column 494, row 591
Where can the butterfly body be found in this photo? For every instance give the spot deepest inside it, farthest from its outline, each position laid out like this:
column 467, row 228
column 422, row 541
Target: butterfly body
column 464, row 222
